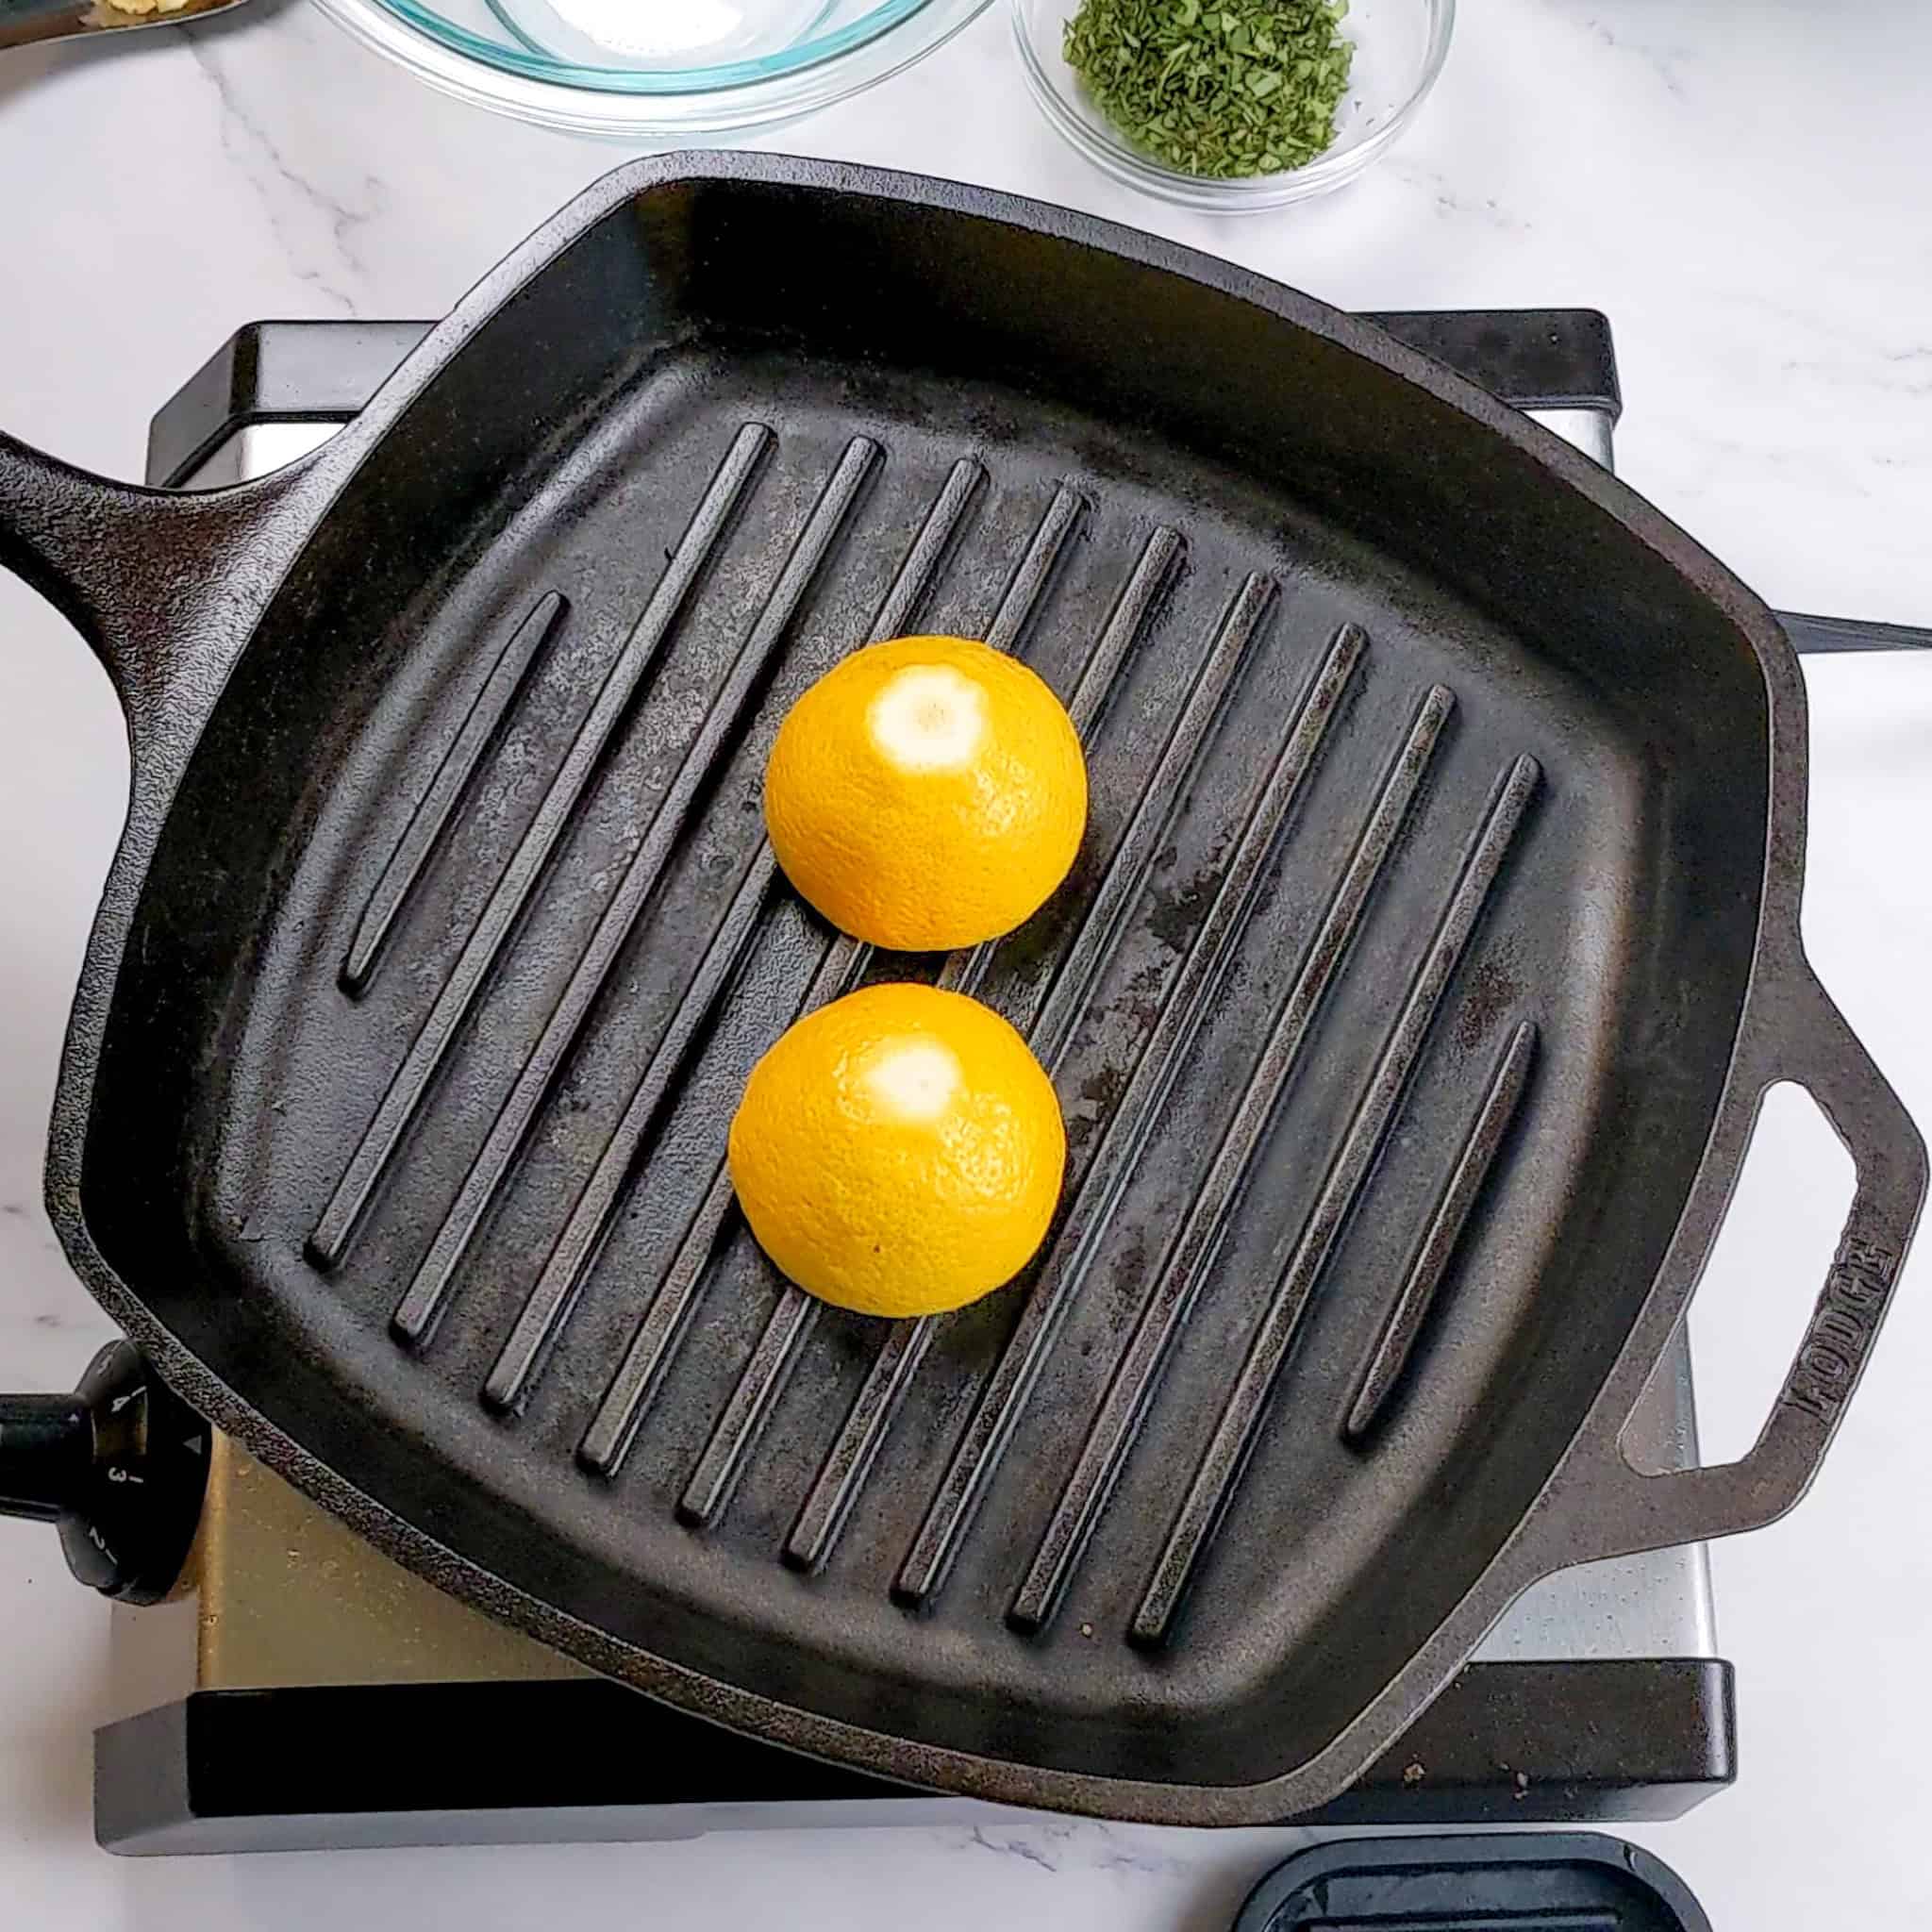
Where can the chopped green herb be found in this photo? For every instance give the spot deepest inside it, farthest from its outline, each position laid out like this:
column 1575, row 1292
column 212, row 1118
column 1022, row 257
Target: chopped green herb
column 1249, row 89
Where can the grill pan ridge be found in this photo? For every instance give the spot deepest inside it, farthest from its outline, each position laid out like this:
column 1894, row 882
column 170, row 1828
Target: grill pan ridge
column 1433, row 936
column 1058, row 992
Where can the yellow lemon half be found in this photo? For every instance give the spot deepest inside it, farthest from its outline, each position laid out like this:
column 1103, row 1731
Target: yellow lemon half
column 926, row 793
column 899, row 1152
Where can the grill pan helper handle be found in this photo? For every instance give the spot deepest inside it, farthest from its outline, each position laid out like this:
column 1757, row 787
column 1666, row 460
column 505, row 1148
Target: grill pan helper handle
column 1792, row 1033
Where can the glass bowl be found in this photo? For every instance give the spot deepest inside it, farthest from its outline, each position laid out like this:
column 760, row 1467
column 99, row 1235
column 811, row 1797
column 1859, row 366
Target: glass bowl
column 1399, row 49
column 653, row 71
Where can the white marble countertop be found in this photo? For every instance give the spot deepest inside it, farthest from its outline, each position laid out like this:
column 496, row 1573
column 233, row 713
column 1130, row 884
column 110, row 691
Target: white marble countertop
column 1746, row 191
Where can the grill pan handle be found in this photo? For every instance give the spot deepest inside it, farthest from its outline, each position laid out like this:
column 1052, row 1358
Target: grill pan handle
column 164, row 585
column 1804, row 1039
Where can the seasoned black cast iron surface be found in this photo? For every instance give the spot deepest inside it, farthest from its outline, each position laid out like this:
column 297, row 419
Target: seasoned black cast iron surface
column 1391, row 1002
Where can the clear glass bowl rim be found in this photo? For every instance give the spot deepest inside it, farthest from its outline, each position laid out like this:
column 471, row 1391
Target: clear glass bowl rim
column 628, row 103
column 535, row 65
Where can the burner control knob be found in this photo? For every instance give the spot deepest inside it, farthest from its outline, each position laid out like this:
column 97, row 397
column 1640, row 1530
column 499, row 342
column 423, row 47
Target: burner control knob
column 119, row 1466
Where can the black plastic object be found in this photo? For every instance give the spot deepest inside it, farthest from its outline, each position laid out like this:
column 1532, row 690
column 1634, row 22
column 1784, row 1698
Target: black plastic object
column 274, row 372
column 1507, row 1882
column 291, row 1770
column 1434, row 940
column 1534, row 358
column 326, row 372
column 120, row 1465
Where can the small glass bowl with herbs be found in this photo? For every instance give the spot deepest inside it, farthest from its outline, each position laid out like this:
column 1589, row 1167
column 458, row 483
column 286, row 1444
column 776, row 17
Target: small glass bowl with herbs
column 1228, row 105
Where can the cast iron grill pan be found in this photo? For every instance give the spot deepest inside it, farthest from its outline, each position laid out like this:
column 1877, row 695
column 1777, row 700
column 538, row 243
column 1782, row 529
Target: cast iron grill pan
column 1391, row 1002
